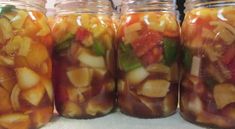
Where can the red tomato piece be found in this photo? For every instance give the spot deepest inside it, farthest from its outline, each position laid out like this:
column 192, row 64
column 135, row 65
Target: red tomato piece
column 152, row 56
column 82, row 34
column 146, row 42
column 229, row 55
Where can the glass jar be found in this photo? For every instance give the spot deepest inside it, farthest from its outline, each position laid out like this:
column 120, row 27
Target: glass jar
column 208, row 85
column 25, row 65
column 83, row 58
column 147, row 57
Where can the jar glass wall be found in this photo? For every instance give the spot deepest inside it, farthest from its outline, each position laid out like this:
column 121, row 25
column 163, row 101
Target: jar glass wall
column 208, row 85
column 148, row 49
column 25, row 65
column 84, row 58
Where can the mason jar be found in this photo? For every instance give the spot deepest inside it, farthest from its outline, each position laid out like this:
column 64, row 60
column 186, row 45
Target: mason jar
column 25, row 65
column 84, row 58
column 208, row 84
column 148, row 50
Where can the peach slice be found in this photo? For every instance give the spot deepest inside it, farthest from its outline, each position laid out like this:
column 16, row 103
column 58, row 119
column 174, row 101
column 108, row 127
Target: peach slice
column 15, row 121
column 49, row 88
column 7, row 78
column 5, row 102
column 138, row 75
column 154, row 88
column 41, row 116
column 15, row 97
column 80, row 77
column 71, row 109
column 34, row 95
column 95, row 106
column 26, row 77
column 224, row 94
column 6, row 30
column 37, row 55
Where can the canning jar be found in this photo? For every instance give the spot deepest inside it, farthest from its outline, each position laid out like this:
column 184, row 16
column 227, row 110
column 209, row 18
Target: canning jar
column 25, row 65
column 148, row 43
column 83, row 58
column 208, row 84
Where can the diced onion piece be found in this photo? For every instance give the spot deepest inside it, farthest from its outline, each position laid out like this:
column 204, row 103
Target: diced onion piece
column 94, row 107
column 195, row 105
column 18, row 21
column 196, row 65
column 15, row 98
column 80, row 77
column 49, row 88
column 212, row 53
column 15, row 121
column 224, row 94
column 26, row 78
column 154, row 88
column 133, row 28
column 34, row 95
column 72, row 109
column 137, row 75
column 91, row 61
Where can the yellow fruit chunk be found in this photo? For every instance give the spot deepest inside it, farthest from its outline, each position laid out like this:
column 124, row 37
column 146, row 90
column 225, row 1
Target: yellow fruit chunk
column 133, row 28
column 7, row 78
column 19, row 45
column 159, row 68
column 26, row 78
column 15, row 121
column 75, row 94
column 6, row 31
column 45, row 30
column 137, row 75
column 18, row 21
column 95, row 106
column 91, row 60
column 80, row 77
column 6, row 60
column 224, row 94
column 49, row 88
column 5, row 102
column 34, row 95
column 154, row 88
column 71, row 109
column 15, row 97
column 37, row 55
column 41, row 116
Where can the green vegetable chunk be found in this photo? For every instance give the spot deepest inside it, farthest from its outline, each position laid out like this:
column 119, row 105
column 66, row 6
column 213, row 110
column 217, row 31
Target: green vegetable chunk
column 6, row 9
column 98, row 48
column 60, row 47
column 127, row 59
column 187, row 59
column 170, row 51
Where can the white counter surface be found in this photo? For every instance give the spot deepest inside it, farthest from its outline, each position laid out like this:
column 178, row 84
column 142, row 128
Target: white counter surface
column 120, row 121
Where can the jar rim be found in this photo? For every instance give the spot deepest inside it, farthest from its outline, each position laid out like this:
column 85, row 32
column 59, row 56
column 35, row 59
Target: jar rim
column 191, row 4
column 83, row 6
column 132, row 6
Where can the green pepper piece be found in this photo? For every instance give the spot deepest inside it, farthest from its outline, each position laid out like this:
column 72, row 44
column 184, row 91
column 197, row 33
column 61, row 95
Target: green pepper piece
column 60, row 47
column 98, row 48
column 6, row 9
column 127, row 59
column 170, row 51
column 187, row 59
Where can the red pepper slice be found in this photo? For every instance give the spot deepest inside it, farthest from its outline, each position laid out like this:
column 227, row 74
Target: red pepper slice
column 82, row 34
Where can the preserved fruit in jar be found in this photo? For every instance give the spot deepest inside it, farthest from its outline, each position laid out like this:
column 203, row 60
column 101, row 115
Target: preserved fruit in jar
column 208, row 84
column 25, row 66
column 147, row 59
column 83, row 59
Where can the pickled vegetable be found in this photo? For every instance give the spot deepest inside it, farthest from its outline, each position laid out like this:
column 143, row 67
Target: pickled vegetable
column 83, row 65
column 147, row 63
column 25, row 75
column 207, row 92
